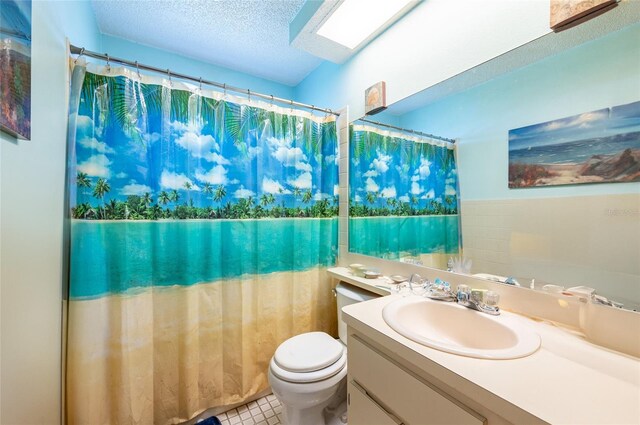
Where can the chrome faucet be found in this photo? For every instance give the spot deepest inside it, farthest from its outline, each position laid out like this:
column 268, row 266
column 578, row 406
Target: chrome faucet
column 441, row 291
column 487, row 303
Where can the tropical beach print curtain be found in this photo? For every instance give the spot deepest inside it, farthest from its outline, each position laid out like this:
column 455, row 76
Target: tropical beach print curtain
column 403, row 199
column 201, row 229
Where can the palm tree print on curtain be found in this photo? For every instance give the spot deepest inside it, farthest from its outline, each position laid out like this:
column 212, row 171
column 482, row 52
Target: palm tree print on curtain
column 202, row 228
column 403, row 199
column 198, row 145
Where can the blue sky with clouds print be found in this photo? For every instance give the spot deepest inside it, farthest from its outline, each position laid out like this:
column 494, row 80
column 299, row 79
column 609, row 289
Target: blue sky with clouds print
column 149, row 139
column 400, row 174
column 597, row 124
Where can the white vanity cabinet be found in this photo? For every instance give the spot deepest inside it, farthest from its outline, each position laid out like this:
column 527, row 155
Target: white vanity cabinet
column 383, row 392
column 363, row 409
column 568, row 380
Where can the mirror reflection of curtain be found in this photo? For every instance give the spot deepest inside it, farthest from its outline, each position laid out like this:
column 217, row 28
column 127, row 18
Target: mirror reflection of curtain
column 403, row 196
column 202, row 228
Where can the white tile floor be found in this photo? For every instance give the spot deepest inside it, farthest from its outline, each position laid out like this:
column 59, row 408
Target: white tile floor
column 264, row 411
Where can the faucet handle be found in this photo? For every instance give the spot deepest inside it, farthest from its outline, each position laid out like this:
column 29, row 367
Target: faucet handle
column 439, row 290
column 491, row 299
column 418, row 285
column 464, row 293
column 415, row 279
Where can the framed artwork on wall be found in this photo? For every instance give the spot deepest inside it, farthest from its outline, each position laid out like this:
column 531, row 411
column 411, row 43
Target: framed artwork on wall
column 375, row 98
column 15, row 68
column 601, row 146
column 567, row 13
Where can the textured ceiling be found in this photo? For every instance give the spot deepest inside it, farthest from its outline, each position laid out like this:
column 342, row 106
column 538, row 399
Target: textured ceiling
column 250, row 36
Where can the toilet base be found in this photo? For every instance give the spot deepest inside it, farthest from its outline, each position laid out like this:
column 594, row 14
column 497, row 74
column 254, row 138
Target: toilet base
column 310, row 416
column 338, row 416
column 317, row 403
column 334, row 412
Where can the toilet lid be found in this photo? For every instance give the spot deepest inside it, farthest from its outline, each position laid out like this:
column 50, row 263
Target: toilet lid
column 308, row 352
column 309, row 377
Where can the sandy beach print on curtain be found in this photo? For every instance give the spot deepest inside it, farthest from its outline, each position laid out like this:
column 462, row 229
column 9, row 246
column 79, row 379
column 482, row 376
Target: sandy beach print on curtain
column 403, row 198
column 202, row 228
column 601, row 146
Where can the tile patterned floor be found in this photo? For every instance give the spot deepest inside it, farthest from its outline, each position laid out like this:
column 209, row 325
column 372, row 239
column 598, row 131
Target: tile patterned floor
column 264, row 411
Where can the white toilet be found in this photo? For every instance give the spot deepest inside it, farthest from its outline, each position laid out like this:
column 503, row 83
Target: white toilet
column 308, row 372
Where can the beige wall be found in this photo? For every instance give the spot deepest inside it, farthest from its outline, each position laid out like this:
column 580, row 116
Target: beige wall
column 32, row 177
column 570, row 241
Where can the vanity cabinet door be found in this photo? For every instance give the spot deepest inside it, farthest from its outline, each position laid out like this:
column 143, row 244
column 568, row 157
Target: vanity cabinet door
column 363, row 410
column 413, row 400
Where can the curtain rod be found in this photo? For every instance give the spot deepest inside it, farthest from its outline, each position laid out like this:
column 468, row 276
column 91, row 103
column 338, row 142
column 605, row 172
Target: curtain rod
column 420, row 133
column 81, row 51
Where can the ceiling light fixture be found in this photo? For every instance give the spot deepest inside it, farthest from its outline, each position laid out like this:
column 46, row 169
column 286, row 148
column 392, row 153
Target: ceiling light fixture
column 355, row 20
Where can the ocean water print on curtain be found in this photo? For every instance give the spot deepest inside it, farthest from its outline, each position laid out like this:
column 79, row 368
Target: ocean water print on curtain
column 403, row 199
column 601, row 146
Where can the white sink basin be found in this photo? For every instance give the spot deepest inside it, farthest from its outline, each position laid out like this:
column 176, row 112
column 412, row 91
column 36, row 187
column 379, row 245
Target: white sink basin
column 450, row 327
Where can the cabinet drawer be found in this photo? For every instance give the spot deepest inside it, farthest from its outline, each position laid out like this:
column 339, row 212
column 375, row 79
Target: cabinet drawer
column 408, row 397
column 363, row 410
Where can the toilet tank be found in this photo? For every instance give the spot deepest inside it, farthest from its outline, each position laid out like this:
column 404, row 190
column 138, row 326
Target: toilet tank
column 348, row 294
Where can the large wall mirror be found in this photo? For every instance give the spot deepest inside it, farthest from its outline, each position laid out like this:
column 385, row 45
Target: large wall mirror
column 403, row 201
column 542, row 184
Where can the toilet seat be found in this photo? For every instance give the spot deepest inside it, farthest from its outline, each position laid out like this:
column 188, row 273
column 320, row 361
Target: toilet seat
column 308, row 352
column 308, row 377
column 308, row 357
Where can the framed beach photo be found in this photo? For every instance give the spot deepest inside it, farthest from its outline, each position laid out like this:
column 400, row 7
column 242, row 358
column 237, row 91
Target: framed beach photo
column 601, row 146
column 15, row 68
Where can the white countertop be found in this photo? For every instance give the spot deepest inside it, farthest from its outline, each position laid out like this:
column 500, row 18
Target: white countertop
column 567, row 381
column 378, row 286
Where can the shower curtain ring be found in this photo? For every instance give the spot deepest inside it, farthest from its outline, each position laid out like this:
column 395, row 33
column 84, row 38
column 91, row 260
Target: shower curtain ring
column 79, row 55
column 249, row 94
column 138, row 69
column 108, row 62
column 200, row 83
column 224, row 86
column 271, row 100
column 169, row 74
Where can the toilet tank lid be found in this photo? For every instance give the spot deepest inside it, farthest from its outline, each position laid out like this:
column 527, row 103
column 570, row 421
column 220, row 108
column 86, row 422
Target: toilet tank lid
column 308, row 352
column 354, row 293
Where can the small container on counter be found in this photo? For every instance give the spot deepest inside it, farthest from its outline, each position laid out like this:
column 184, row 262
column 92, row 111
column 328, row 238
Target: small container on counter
column 372, row 274
column 358, row 269
column 398, row 279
